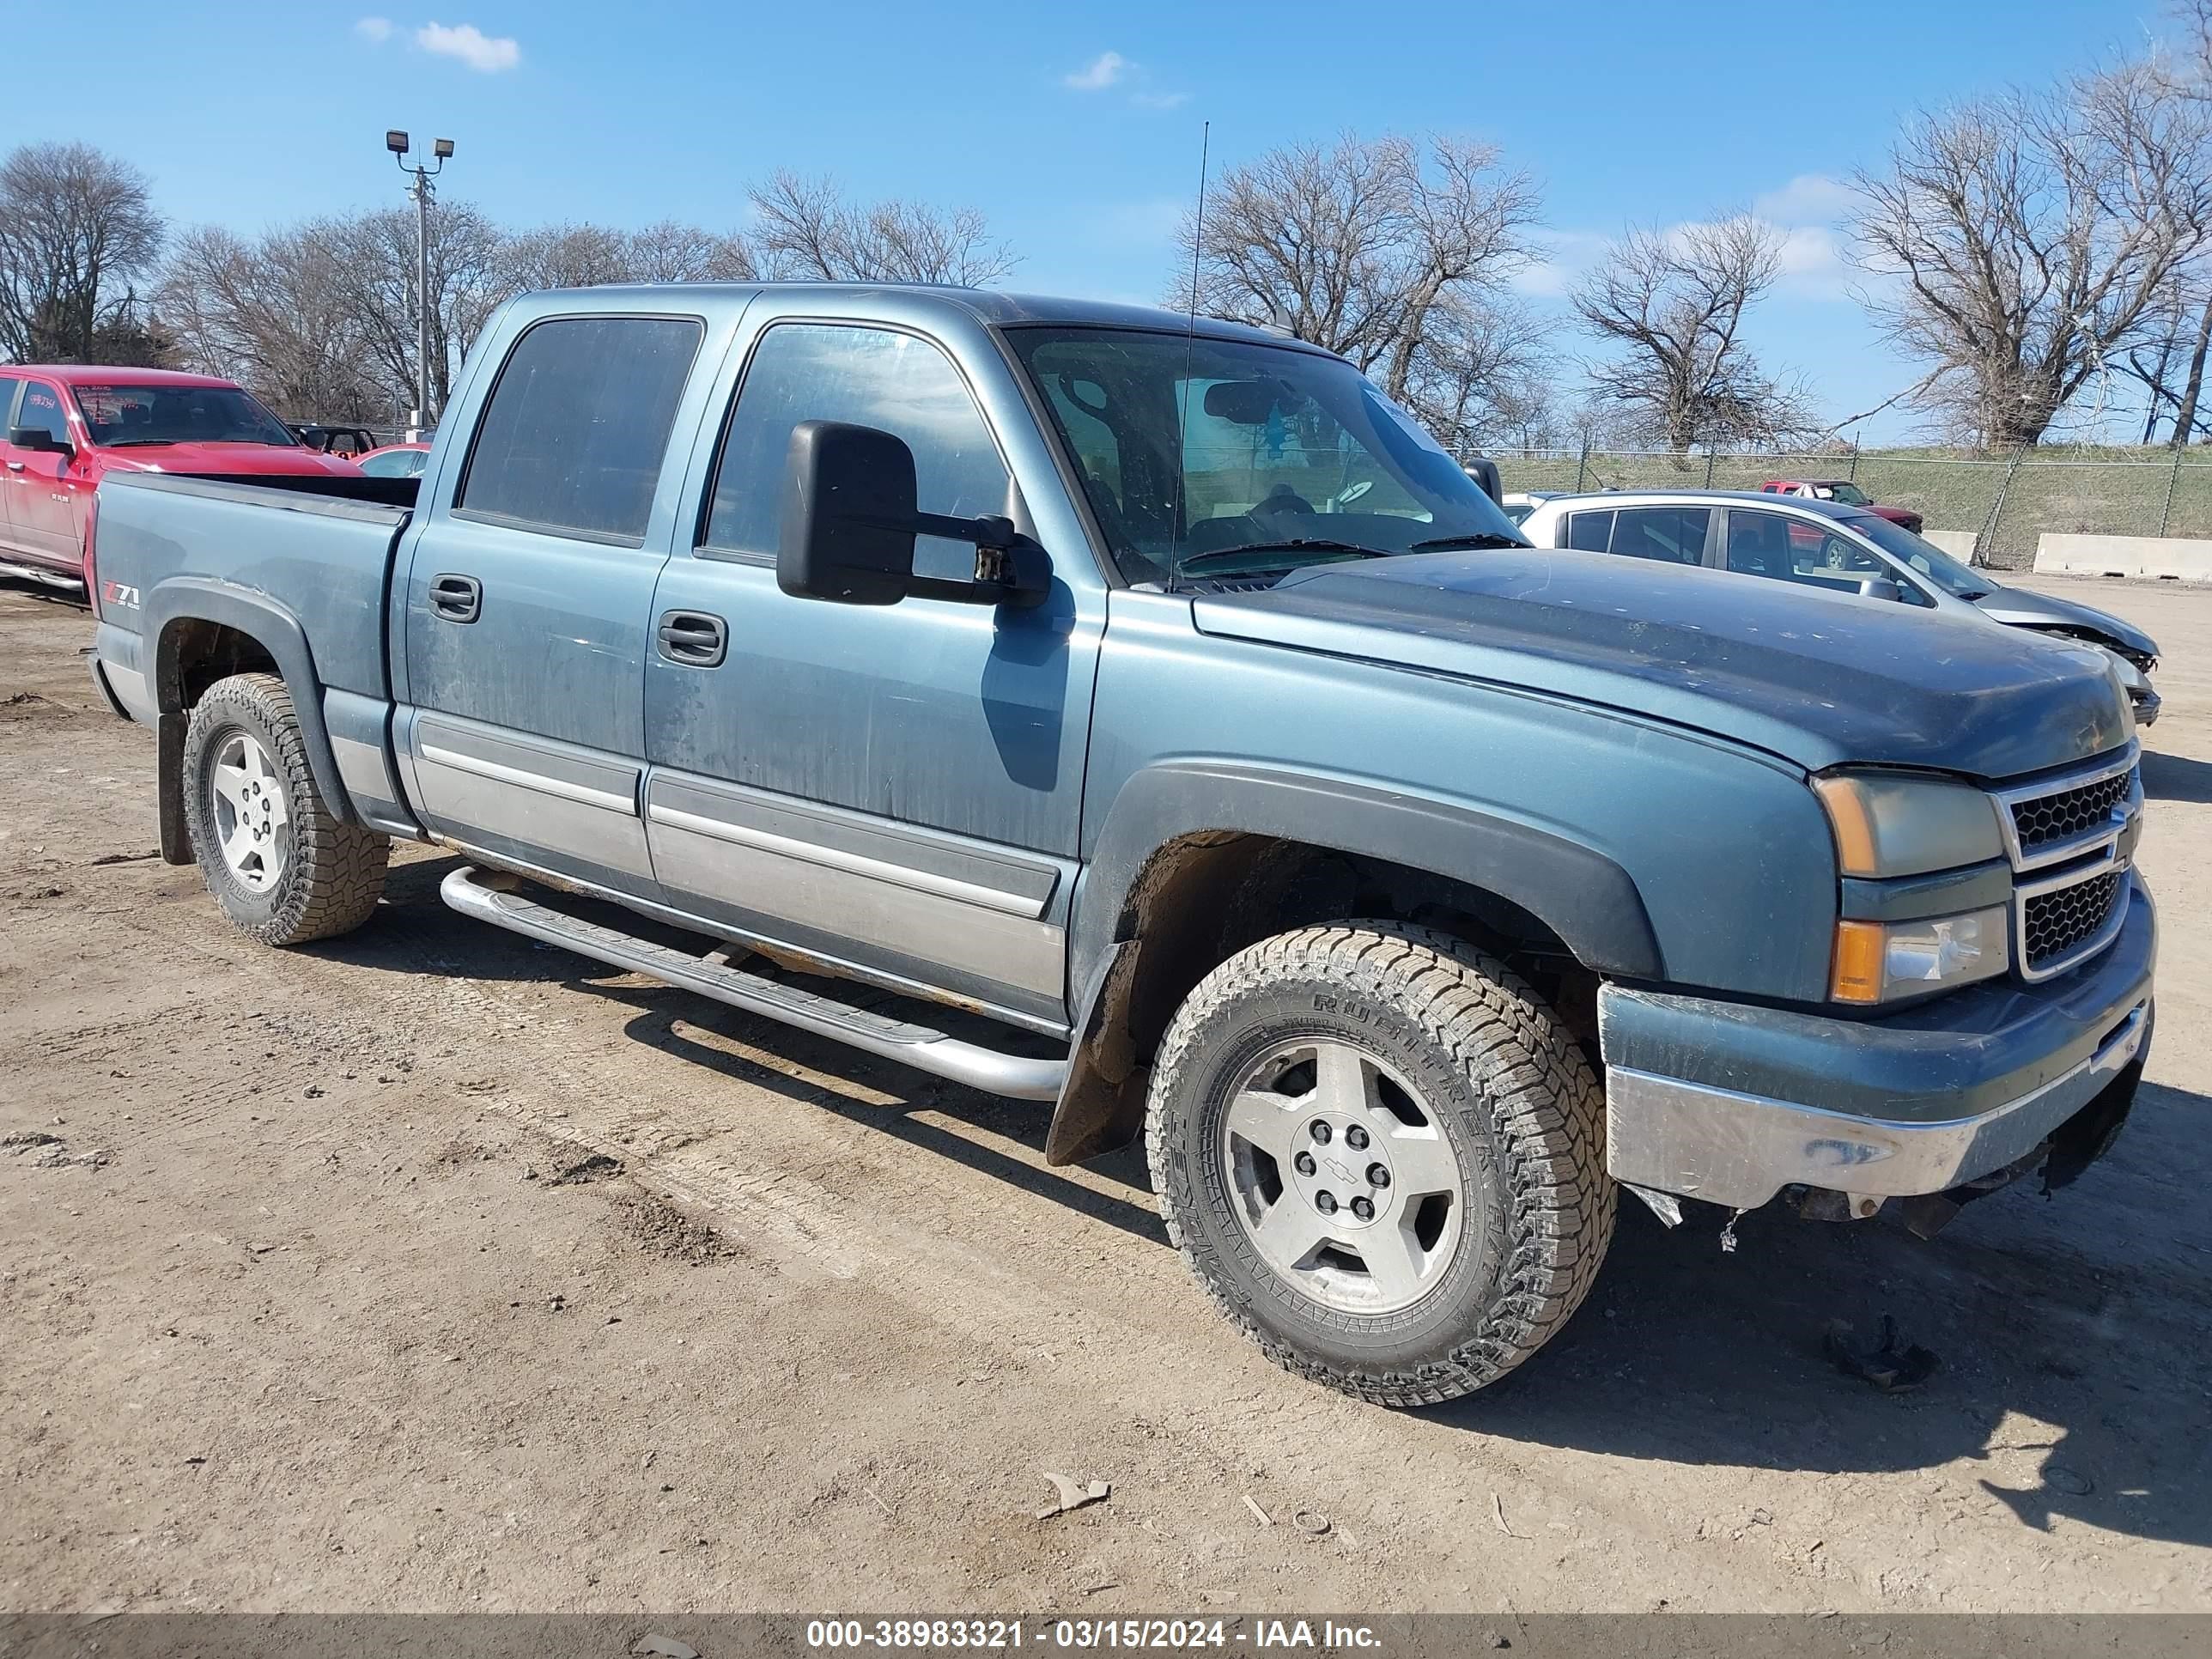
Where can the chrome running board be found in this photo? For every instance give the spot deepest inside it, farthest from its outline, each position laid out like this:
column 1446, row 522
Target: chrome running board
column 1014, row 1075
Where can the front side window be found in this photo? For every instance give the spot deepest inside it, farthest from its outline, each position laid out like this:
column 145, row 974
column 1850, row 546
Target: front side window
column 872, row 377
column 1783, row 548
column 1931, row 561
column 1234, row 459
column 1670, row 535
column 120, row 416
column 575, row 431
column 41, row 409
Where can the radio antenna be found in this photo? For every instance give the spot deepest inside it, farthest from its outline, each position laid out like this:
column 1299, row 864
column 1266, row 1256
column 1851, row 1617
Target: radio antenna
column 1190, row 350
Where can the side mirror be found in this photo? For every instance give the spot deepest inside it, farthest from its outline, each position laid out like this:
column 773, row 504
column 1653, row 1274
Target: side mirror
column 850, row 523
column 38, row 438
column 1879, row 587
column 1484, row 471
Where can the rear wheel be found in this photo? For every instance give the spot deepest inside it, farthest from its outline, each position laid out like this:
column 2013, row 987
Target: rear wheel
column 283, row 865
column 1381, row 1155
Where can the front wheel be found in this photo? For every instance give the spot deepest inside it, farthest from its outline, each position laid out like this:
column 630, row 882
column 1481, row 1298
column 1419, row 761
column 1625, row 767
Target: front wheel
column 283, row 865
column 1381, row 1156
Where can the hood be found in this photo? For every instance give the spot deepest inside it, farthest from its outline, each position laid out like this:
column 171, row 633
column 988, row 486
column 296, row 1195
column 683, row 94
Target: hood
column 264, row 460
column 2019, row 607
column 1818, row 679
column 1894, row 514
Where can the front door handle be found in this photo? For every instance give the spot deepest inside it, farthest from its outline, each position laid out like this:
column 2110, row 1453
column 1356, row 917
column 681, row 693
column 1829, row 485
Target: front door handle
column 693, row 638
column 14, row 466
column 457, row 598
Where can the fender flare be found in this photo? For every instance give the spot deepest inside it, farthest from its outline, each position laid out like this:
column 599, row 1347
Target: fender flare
column 1585, row 898
column 181, row 600
column 1579, row 893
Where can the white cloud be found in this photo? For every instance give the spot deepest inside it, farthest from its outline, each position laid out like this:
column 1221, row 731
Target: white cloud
column 488, row 54
column 1159, row 100
column 1563, row 257
column 1810, row 198
column 1100, row 73
column 374, row 30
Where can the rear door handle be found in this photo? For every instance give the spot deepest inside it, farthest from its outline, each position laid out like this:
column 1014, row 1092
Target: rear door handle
column 14, row 466
column 693, row 638
column 457, row 598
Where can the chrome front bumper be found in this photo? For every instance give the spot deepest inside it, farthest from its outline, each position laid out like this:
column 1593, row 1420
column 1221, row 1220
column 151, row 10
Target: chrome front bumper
column 1740, row 1150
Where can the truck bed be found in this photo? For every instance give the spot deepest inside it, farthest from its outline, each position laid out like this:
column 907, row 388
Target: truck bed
column 321, row 547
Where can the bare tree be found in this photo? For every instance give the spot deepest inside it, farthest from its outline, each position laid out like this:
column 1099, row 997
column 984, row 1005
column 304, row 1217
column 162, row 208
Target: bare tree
column 77, row 228
column 1391, row 252
column 808, row 231
column 582, row 256
column 467, row 285
column 278, row 315
column 2021, row 243
column 1672, row 305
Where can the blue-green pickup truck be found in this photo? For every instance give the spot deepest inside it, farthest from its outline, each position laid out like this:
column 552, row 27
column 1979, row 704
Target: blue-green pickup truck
column 1162, row 695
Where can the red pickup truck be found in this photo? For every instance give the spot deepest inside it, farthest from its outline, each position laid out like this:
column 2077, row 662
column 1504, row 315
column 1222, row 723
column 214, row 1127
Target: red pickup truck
column 63, row 428
column 1843, row 490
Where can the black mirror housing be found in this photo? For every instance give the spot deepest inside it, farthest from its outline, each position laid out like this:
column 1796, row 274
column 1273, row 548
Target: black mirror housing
column 38, row 438
column 847, row 529
column 849, row 522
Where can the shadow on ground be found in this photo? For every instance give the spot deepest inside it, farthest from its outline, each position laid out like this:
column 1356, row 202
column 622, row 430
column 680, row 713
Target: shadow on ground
column 2176, row 777
column 2070, row 1332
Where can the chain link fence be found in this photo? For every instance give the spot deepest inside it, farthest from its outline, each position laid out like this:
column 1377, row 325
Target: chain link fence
column 2007, row 501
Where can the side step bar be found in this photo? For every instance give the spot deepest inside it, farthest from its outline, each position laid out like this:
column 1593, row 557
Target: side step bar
column 1015, row 1075
column 32, row 573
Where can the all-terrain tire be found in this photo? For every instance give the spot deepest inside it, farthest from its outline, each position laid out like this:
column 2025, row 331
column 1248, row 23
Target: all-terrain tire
column 1510, row 1090
column 333, row 872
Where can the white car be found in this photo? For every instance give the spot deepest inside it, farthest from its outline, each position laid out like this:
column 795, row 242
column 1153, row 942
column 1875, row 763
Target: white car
column 1836, row 546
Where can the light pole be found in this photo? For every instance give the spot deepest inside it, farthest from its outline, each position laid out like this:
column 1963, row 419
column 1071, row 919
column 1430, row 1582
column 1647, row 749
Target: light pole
column 442, row 149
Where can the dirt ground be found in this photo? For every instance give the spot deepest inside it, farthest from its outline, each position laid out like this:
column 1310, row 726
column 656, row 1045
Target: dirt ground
column 431, row 1269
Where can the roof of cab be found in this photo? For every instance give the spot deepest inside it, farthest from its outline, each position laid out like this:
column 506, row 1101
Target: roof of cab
column 110, row 374
column 986, row 306
column 1749, row 497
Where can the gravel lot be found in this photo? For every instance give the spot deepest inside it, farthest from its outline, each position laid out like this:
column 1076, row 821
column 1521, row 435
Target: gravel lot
column 300, row 1310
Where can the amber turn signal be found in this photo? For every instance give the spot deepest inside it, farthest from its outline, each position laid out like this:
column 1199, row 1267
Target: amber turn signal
column 1856, row 975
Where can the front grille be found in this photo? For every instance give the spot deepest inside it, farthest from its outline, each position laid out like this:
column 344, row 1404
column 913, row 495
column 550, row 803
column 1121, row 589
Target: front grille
column 2048, row 820
column 2054, row 924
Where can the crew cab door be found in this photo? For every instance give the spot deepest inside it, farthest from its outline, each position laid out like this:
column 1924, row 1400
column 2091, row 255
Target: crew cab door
column 42, row 486
column 526, row 597
column 895, row 788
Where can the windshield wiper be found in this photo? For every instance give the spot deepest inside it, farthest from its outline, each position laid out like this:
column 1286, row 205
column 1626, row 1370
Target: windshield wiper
column 1472, row 538
column 138, row 443
column 1294, row 544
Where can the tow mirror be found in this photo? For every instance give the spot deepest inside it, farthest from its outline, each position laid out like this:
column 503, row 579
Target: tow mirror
column 1879, row 587
column 850, row 523
column 38, row 438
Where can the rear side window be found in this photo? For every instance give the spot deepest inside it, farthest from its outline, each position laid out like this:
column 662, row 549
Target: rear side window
column 42, row 407
column 1672, row 535
column 1590, row 532
column 574, row 436
column 871, row 377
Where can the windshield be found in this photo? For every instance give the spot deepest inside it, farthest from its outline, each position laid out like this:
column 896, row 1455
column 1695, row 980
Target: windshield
column 1251, row 459
column 1849, row 494
column 123, row 415
column 1924, row 556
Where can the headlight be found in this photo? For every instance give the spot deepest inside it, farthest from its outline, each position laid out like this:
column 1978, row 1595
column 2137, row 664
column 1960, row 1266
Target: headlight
column 1893, row 825
column 1879, row 961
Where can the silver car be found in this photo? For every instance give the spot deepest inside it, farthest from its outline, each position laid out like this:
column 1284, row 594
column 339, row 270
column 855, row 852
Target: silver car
column 1834, row 545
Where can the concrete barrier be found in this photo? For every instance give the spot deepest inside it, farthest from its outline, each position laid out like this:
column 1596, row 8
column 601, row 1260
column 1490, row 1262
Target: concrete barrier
column 1959, row 543
column 2172, row 558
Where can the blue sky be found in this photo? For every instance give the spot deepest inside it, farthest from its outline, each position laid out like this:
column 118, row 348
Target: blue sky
column 1076, row 128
